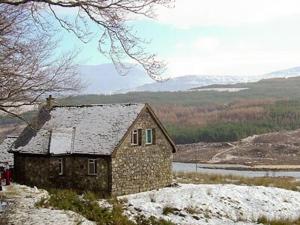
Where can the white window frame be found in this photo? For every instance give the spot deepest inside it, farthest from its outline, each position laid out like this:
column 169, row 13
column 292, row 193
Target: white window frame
column 61, row 166
column 135, row 132
column 94, row 162
column 147, row 141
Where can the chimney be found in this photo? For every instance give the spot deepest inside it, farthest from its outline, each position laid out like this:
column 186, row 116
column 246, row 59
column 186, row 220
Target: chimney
column 50, row 102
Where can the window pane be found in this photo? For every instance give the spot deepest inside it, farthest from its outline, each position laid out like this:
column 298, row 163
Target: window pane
column 134, row 137
column 92, row 166
column 149, row 136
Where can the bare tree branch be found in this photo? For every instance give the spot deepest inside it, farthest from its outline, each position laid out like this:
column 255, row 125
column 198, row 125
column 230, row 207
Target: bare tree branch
column 116, row 39
column 28, row 66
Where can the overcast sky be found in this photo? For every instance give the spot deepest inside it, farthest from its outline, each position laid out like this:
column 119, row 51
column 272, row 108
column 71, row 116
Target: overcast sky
column 219, row 37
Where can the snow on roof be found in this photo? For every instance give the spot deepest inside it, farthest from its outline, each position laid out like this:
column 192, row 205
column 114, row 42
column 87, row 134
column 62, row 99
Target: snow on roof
column 97, row 129
column 62, row 140
column 6, row 157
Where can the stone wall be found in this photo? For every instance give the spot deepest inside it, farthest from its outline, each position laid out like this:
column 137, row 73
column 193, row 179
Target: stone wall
column 43, row 171
column 145, row 167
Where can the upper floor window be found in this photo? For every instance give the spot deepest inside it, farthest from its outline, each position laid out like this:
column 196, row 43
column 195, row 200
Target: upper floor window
column 149, row 136
column 92, row 167
column 136, row 137
column 61, row 166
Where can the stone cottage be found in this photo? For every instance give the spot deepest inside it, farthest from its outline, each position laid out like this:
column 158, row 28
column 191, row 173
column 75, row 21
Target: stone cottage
column 112, row 149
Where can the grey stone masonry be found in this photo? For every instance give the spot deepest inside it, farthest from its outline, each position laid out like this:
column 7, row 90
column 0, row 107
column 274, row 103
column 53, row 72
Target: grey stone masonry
column 144, row 167
column 43, row 171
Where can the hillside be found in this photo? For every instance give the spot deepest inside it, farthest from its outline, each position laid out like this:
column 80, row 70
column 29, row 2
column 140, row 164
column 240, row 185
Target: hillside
column 208, row 115
column 277, row 148
column 275, row 88
column 192, row 116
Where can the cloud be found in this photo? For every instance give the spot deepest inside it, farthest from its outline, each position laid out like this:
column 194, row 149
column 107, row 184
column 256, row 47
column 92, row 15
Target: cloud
column 207, row 44
column 191, row 13
column 242, row 58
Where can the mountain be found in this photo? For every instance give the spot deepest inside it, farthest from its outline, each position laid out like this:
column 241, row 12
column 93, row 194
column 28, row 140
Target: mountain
column 188, row 82
column 104, row 79
column 184, row 83
column 292, row 72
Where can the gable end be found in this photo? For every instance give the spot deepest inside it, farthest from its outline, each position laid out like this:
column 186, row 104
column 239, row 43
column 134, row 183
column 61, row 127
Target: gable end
column 148, row 109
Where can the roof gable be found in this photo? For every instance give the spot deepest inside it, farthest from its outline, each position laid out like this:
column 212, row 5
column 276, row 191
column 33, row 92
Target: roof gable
column 97, row 129
column 156, row 120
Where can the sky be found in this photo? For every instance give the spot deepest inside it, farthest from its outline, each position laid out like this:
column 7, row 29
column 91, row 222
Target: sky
column 232, row 37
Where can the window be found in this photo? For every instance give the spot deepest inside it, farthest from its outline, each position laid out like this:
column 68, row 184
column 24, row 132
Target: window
column 60, row 167
column 92, row 167
column 136, row 137
column 149, row 136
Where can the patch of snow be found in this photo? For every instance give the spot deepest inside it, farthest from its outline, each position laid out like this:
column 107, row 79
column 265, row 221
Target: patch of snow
column 24, row 211
column 6, row 157
column 216, row 204
column 221, row 89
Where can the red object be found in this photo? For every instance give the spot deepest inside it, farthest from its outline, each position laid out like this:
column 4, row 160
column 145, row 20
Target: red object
column 7, row 176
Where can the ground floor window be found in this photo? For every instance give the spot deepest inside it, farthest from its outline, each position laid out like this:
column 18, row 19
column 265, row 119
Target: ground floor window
column 92, row 166
column 61, row 166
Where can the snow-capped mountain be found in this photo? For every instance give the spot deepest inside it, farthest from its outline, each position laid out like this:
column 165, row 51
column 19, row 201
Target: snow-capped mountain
column 188, row 82
column 184, row 83
column 292, row 72
column 104, row 79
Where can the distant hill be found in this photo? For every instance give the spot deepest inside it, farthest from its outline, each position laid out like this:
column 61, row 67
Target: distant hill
column 184, row 83
column 104, row 79
column 292, row 72
column 275, row 88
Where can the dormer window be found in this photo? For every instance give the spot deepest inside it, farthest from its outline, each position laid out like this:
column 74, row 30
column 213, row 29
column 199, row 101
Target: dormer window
column 136, row 137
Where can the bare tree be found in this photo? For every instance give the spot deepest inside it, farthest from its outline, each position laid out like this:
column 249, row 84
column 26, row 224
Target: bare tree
column 28, row 65
column 111, row 17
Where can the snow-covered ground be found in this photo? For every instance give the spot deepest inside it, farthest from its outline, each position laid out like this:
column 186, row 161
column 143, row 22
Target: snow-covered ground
column 216, row 204
column 23, row 211
column 192, row 204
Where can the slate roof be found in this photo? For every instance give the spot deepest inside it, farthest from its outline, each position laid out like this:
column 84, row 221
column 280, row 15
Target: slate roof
column 6, row 157
column 93, row 129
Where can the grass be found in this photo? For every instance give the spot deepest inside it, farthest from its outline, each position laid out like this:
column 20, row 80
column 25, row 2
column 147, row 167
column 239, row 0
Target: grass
column 169, row 210
column 266, row 221
column 88, row 206
column 202, row 178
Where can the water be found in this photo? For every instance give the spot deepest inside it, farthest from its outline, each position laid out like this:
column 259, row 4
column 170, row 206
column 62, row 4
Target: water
column 191, row 167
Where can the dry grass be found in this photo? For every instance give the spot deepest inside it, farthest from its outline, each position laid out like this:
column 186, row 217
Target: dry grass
column 201, row 178
column 87, row 205
column 265, row 221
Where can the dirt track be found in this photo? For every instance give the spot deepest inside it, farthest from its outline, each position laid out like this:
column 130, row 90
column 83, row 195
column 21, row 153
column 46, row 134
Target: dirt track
column 279, row 148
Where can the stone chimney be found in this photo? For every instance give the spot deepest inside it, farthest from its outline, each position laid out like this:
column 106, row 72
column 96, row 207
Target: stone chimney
column 50, row 102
